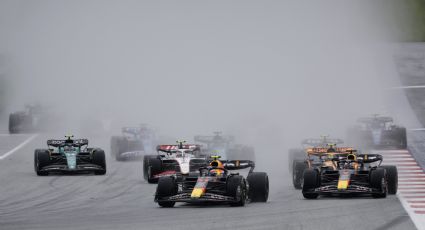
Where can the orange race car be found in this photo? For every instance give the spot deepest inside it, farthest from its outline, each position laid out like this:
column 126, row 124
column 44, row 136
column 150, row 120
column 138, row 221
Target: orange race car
column 320, row 158
column 353, row 174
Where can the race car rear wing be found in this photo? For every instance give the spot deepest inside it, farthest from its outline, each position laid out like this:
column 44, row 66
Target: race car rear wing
column 325, row 150
column 132, row 130
column 212, row 139
column 369, row 158
column 362, row 158
column 174, row 148
column 60, row 143
column 239, row 164
column 375, row 118
column 321, row 142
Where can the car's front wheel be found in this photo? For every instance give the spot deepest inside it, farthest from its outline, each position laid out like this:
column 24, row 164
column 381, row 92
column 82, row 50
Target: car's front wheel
column 167, row 187
column 41, row 159
column 311, row 181
column 236, row 188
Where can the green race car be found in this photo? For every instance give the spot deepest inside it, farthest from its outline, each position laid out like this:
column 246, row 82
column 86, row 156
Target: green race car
column 69, row 155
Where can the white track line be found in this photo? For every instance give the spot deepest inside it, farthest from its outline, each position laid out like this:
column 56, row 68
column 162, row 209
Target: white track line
column 10, row 135
column 409, row 87
column 420, row 129
column 18, row 147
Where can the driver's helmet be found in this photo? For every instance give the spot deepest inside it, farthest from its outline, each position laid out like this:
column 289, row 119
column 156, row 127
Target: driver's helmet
column 69, row 140
column 216, row 168
column 331, row 149
column 351, row 157
column 351, row 162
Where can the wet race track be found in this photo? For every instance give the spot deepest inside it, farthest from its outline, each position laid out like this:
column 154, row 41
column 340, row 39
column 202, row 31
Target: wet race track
column 123, row 200
column 269, row 72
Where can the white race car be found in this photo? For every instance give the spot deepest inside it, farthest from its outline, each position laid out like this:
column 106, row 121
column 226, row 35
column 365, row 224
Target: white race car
column 172, row 159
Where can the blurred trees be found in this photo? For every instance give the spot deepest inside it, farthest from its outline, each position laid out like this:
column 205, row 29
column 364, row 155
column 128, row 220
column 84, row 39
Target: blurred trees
column 409, row 18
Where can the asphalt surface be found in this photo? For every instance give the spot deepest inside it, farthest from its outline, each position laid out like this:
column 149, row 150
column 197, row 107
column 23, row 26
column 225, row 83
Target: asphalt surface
column 123, row 200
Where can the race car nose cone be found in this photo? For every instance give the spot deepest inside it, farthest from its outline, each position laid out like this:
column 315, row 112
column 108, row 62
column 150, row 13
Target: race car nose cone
column 71, row 159
column 197, row 193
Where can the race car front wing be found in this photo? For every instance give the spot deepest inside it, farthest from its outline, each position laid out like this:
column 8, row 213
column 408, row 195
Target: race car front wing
column 65, row 168
column 350, row 189
column 186, row 197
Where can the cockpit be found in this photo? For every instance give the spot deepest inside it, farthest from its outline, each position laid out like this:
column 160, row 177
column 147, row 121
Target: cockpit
column 184, row 153
column 69, row 148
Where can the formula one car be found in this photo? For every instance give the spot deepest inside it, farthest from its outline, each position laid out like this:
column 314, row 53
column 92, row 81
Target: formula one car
column 352, row 175
column 226, row 147
column 377, row 132
column 69, row 155
column 214, row 184
column 32, row 119
column 133, row 144
column 316, row 157
column 299, row 154
column 171, row 159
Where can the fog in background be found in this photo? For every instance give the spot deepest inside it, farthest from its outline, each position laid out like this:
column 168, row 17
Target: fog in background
column 269, row 72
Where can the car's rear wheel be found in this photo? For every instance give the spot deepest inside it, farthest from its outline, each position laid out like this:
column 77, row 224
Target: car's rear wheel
column 41, row 159
column 392, row 178
column 13, row 123
column 167, row 187
column 154, row 167
column 146, row 159
column 258, row 186
column 378, row 182
column 297, row 173
column 401, row 137
column 295, row 154
column 98, row 158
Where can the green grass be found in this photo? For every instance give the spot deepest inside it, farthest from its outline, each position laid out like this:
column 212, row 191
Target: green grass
column 409, row 18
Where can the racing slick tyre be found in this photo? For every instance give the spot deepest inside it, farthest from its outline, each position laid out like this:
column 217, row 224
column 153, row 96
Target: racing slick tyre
column 41, row 159
column 400, row 136
column 392, row 178
column 13, row 123
column 297, row 173
column 258, row 186
column 98, row 158
column 145, row 163
column 295, row 154
column 154, row 167
column 236, row 188
column 167, row 186
column 378, row 182
column 311, row 181
column 146, row 160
